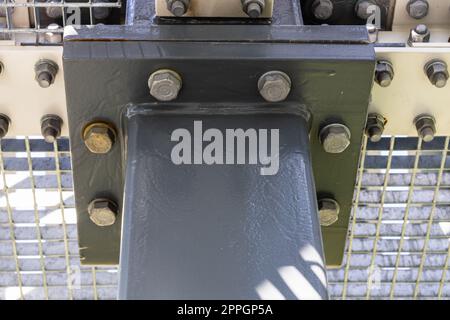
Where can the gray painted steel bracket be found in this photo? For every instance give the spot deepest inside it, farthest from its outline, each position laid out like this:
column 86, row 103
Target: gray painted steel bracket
column 331, row 75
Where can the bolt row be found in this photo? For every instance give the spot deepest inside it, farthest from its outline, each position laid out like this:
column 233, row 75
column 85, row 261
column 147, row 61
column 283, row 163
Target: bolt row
column 252, row 8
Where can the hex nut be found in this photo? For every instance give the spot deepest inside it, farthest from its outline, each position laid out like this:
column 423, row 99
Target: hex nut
column 375, row 127
column 384, row 73
column 99, row 137
column 45, row 71
column 426, row 127
column 253, row 8
column 4, row 125
column 274, row 86
column 165, row 85
column 335, row 138
column 322, row 9
column 362, row 9
column 51, row 127
column 417, row 9
column 437, row 73
column 178, row 7
column 328, row 211
column 103, row 212
column 420, row 33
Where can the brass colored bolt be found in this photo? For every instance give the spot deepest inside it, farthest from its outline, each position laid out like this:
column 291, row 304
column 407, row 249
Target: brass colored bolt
column 328, row 212
column 103, row 212
column 99, row 137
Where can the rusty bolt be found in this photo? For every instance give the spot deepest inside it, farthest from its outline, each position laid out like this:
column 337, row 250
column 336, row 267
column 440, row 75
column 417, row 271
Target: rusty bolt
column 165, row 85
column 4, row 125
column 437, row 72
column 322, row 9
column 51, row 127
column 335, row 138
column 364, row 8
column 328, row 212
column 375, row 127
column 45, row 71
column 103, row 212
column 417, row 9
column 274, row 86
column 178, row 7
column 253, row 8
column 99, row 137
column 384, row 73
column 426, row 127
column 420, row 33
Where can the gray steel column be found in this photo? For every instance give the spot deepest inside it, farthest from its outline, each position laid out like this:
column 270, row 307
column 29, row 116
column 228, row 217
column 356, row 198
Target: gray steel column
column 219, row 231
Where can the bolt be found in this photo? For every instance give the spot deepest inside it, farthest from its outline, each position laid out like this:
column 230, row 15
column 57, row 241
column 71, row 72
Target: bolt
column 253, row 8
column 437, row 72
column 103, row 212
column 426, row 127
column 178, row 7
column 165, row 85
column 1, row 67
column 99, row 137
column 45, row 71
column 51, row 36
column 51, row 127
column 328, row 212
column 4, row 125
column 375, row 126
column 419, row 34
column 53, row 12
column 365, row 8
column 101, row 13
column 417, row 9
column 373, row 32
column 384, row 73
column 335, row 138
column 322, row 9
column 274, row 86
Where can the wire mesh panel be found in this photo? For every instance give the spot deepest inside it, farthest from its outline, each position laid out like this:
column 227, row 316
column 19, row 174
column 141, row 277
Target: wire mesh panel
column 398, row 245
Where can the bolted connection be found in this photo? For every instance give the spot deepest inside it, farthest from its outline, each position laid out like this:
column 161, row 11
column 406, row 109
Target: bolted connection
column 417, row 9
column 103, row 212
column 437, row 72
column 274, row 86
column 165, row 85
column 4, row 125
column 365, row 8
column 253, row 8
column 45, row 71
column 384, row 73
column 99, row 137
column 426, row 127
column 335, row 138
column 178, row 7
column 322, row 9
column 375, row 127
column 328, row 211
column 420, row 33
column 51, row 127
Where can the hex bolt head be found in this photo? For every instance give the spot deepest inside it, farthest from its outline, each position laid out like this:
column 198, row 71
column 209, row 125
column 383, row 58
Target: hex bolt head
column 45, row 71
column 322, row 9
column 375, row 127
column 274, row 86
column 426, row 127
column 384, row 73
column 335, row 138
column 53, row 12
column 99, row 137
column 51, row 127
column 328, row 211
column 178, row 7
column 4, row 125
column 165, row 85
column 420, row 33
column 437, row 73
column 253, row 8
column 103, row 212
column 362, row 8
column 417, row 9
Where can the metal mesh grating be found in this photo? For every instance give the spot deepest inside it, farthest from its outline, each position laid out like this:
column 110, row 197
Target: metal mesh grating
column 398, row 246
